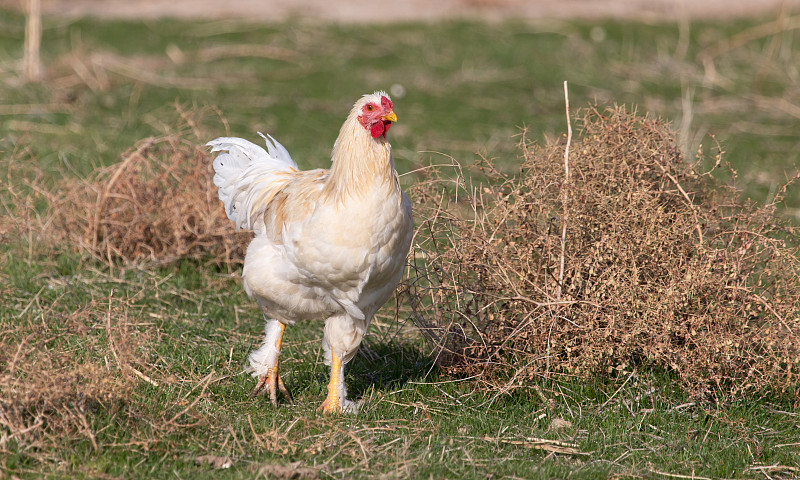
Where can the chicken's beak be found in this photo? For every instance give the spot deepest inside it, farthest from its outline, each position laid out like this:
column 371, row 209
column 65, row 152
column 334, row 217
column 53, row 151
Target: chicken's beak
column 390, row 117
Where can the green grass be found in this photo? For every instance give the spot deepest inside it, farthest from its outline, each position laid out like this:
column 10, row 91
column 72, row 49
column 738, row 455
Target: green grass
column 187, row 327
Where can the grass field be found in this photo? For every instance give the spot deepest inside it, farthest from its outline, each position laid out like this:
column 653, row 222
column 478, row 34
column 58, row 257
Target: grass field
column 135, row 370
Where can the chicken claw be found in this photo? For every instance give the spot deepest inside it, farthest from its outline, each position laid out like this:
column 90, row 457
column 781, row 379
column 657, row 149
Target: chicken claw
column 272, row 382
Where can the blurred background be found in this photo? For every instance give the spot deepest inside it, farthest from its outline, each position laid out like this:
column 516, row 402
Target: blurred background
column 349, row 11
column 97, row 76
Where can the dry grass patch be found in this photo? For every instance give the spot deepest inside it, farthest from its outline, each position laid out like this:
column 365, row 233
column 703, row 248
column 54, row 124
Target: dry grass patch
column 56, row 374
column 77, row 350
column 661, row 266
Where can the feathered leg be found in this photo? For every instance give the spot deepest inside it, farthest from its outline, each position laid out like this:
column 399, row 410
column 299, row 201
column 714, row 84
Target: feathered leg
column 340, row 342
column 264, row 363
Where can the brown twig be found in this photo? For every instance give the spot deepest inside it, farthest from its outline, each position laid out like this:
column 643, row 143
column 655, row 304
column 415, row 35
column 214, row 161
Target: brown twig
column 692, row 206
column 677, row 475
column 767, row 305
column 564, row 194
column 553, row 446
column 205, row 382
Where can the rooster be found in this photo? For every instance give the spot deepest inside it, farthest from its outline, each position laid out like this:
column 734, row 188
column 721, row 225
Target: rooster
column 329, row 244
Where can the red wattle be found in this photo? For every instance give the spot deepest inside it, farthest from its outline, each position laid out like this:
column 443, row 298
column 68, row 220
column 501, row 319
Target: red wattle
column 377, row 129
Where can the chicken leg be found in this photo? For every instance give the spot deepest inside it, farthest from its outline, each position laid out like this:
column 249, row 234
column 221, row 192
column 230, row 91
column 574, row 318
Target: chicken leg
column 336, row 401
column 332, row 403
column 268, row 356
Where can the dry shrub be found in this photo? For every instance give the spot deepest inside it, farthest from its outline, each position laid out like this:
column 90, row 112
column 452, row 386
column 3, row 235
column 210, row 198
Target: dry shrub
column 157, row 204
column 662, row 267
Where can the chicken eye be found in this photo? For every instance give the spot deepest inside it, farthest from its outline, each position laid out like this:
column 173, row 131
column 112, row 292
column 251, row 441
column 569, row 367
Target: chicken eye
column 370, row 108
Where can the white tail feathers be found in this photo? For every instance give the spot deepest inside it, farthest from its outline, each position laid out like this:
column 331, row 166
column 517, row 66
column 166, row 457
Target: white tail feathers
column 277, row 151
column 244, row 172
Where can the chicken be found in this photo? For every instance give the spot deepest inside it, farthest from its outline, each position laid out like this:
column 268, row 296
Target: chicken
column 329, row 244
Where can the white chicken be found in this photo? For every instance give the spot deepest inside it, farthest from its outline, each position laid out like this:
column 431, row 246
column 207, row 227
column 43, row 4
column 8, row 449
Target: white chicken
column 328, row 243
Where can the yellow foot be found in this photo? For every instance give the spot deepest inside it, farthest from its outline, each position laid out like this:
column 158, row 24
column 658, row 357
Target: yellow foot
column 272, row 383
column 330, row 406
column 338, row 406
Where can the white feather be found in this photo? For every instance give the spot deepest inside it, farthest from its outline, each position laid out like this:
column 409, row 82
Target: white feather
column 241, row 170
column 266, row 357
column 276, row 150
